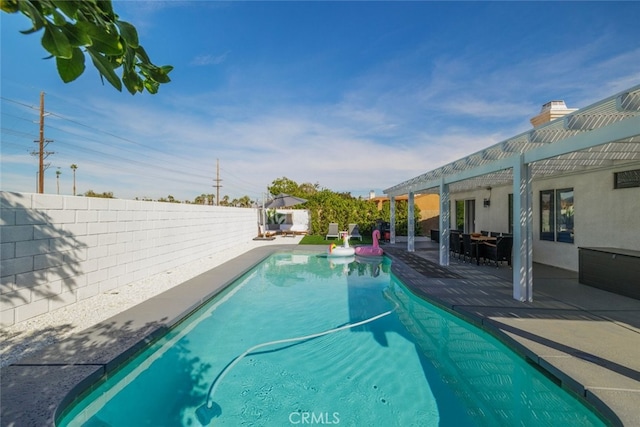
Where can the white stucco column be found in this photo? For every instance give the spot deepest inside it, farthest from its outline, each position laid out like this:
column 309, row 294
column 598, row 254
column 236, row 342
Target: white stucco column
column 444, row 223
column 522, row 260
column 411, row 224
column 392, row 219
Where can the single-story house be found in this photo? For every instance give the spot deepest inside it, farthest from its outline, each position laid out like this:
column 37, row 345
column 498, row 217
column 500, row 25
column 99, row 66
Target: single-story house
column 568, row 185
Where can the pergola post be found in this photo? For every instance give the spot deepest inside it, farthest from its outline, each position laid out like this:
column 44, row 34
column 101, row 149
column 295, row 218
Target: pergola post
column 411, row 224
column 444, row 223
column 522, row 260
column 392, row 219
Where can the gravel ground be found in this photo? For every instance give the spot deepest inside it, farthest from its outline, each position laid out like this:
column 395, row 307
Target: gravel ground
column 27, row 337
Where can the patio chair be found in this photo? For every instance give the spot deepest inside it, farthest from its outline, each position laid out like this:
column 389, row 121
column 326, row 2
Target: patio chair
column 499, row 252
column 354, row 232
column 469, row 249
column 333, row 231
column 455, row 245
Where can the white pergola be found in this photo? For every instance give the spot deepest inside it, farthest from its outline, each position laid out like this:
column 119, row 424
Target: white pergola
column 606, row 133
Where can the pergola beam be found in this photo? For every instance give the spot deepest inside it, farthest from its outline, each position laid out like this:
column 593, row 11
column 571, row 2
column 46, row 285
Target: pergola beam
column 592, row 137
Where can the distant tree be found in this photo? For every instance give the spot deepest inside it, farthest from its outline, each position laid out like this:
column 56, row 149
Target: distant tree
column 74, row 167
column 105, row 195
column 292, row 188
column 308, row 189
column 169, row 199
column 284, row 185
column 224, row 201
column 204, row 199
column 93, row 26
column 58, row 173
column 243, row 202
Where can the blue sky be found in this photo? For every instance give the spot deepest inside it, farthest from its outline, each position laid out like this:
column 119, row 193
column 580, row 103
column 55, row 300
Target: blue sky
column 354, row 96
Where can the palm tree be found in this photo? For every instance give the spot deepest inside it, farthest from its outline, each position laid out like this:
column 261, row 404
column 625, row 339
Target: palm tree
column 58, row 172
column 244, row 202
column 73, row 168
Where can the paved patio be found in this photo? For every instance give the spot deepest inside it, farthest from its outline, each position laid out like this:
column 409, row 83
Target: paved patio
column 587, row 338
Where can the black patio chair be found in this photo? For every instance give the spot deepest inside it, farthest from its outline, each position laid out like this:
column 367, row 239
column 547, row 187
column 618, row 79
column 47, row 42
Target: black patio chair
column 469, row 249
column 500, row 251
column 455, row 245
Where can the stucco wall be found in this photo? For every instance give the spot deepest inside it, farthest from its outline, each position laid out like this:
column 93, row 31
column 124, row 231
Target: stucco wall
column 603, row 216
column 56, row 250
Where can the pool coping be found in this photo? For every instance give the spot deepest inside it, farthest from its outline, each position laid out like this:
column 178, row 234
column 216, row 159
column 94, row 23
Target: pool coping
column 484, row 298
column 62, row 372
column 36, row 389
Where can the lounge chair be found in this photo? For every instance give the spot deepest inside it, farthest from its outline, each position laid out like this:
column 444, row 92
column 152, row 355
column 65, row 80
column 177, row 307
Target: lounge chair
column 354, row 232
column 265, row 233
column 299, row 229
column 333, row 231
column 286, row 230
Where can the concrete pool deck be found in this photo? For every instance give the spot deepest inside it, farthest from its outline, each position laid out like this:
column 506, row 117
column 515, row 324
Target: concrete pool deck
column 588, row 339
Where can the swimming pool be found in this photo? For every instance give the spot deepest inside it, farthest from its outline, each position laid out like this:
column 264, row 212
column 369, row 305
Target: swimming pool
column 417, row 365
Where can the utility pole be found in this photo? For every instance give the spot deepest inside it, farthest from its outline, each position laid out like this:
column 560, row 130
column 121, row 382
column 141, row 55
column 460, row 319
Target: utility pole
column 42, row 144
column 217, row 180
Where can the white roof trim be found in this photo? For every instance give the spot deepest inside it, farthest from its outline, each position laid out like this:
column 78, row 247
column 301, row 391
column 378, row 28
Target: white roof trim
column 595, row 136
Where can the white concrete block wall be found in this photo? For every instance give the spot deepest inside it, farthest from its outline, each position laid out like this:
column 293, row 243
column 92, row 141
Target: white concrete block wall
column 57, row 250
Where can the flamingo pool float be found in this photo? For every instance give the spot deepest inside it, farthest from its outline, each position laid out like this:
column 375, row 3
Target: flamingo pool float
column 374, row 250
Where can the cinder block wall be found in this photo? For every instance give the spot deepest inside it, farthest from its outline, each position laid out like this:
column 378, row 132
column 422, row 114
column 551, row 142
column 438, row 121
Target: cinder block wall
column 57, row 250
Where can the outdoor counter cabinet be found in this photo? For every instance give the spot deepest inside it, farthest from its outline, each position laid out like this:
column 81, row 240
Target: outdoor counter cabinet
column 612, row 269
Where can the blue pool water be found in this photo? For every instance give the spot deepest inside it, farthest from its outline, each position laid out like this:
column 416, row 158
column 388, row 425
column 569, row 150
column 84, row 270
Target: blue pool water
column 418, row 366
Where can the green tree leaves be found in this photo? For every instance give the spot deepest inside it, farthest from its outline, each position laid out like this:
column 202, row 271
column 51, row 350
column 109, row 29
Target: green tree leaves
column 73, row 27
column 128, row 33
column 70, row 69
column 286, row 186
column 56, row 43
column 327, row 206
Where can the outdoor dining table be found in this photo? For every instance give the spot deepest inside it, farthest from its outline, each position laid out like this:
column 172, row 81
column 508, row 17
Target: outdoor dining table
column 484, row 238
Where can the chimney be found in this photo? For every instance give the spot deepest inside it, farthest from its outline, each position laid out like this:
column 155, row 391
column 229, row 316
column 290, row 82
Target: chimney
column 550, row 111
column 372, row 195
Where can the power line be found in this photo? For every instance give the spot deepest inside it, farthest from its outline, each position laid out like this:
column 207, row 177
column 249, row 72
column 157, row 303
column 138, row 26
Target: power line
column 83, row 147
column 124, row 159
column 191, row 178
column 101, row 131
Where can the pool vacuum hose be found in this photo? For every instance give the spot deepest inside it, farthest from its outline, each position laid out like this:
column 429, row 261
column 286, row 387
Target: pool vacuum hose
column 212, row 409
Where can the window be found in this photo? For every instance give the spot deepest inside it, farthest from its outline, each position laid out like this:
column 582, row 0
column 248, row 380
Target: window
column 564, row 215
column 626, row 179
column 547, row 217
column 556, row 215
